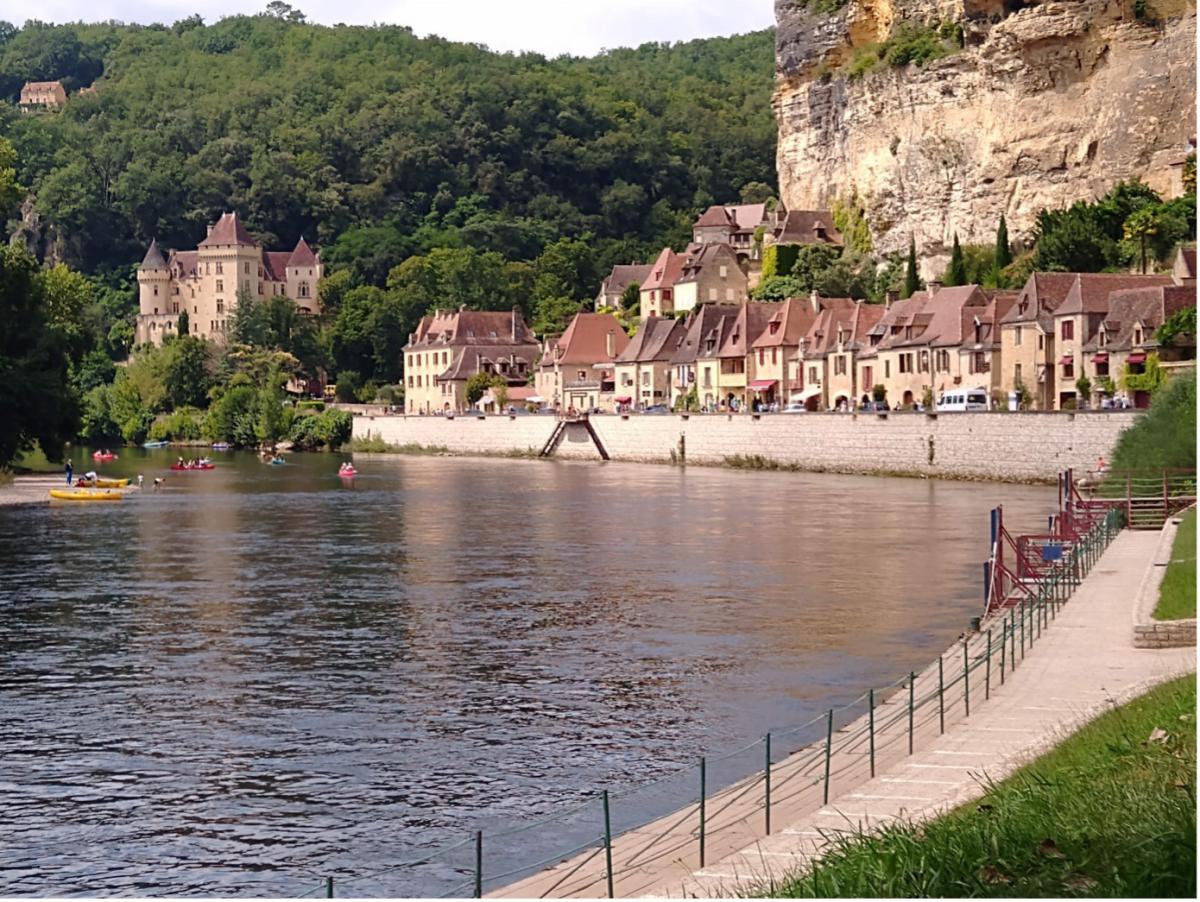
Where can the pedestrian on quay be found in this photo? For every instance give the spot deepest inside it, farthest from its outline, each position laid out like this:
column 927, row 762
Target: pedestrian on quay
column 70, row 470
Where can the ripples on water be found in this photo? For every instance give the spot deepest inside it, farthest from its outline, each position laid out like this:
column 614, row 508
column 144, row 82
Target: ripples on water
column 263, row 675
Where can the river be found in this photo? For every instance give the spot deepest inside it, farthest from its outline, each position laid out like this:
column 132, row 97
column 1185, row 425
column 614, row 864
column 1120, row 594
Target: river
column 259, row 675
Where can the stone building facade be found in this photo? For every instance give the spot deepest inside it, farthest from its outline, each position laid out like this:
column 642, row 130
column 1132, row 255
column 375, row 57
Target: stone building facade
column 206, row 282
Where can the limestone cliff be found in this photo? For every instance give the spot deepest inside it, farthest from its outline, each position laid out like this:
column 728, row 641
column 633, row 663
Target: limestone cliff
column 1043, row 105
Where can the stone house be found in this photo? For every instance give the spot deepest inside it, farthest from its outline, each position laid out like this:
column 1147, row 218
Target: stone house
column 643, row 370
column 705, row 320
column 206, row 282
column 724, row 364
column 449, row 347
column 778, row 343
column 802, row 227
column 614, row 284
column 917, row 342
column 824, row 370
column 1075, row 322
column 1184, row 270
column 1120, row 339
column 980, row 364
column 577, row 367
column 733, row 225
column 657, row 292
column 42, row 95
column 711, row 274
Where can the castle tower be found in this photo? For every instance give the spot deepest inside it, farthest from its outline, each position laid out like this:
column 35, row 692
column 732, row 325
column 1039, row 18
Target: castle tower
column 229, row 261
column 304, row 269
column 154, row 296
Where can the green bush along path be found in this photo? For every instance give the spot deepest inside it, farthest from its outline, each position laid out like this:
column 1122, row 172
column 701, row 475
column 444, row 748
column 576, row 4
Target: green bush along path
column 1177, row 596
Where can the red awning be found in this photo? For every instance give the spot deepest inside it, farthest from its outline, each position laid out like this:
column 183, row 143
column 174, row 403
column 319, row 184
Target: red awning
column 624, row 400
column 1100, row 357
column 762, row 384
column 1137, row 357
column 1067, row 359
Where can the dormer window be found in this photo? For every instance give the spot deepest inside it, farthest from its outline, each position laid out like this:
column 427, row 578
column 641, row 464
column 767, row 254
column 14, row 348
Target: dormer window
column 1137, row 335
column 774, row 327
column 1102, row 338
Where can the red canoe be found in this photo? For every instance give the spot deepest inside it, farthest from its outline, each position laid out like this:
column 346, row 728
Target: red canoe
column 96, row 455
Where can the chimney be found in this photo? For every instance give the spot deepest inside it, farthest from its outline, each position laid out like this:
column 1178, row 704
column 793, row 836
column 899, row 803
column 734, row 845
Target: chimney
column 890, row 297
column 610, row 344
column 209, row 232
column 815, row 299
column 934, row 287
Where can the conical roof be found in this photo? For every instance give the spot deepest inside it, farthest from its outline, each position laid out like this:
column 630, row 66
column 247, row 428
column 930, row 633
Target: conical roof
column 302, row 255
column 154, row 258
column 228, row 231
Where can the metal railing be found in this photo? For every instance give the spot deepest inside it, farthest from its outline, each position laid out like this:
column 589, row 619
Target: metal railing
column 592, row 849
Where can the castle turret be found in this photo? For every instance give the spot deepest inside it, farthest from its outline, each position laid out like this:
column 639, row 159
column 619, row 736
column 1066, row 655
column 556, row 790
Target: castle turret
column 154, row 294
column 303, row 271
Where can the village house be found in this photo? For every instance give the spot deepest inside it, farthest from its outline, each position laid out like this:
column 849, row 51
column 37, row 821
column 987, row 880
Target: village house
column 1184, row 270
column 1086, row 322
column 577, row 367
column 823, row 373
column 614, row 284
column 914, row 351
column 803, row 227
column 643, row 370
column 1032, row 346
column 979, row 356
column 708, row 319
column 777, row 344
column 206, row 282
column 735, row 225
column 42, row 95
column 724, row 365
column 449, row 347
column 657, row 292
column 711, row 274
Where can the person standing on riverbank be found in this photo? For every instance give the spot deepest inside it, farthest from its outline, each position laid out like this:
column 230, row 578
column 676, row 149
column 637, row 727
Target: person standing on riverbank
column 70, row 470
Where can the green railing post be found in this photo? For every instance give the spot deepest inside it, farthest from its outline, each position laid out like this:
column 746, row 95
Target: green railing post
column 871, row 723
column 941, row 697
column 828, row 752
column 328, row 887
column 987, row 674
column 767, row 776
column 912, row 691
column 608, row 846
column 478, row 864
column 1003, row 645
column 1012, row 636
column 966, row 680
column 1022, row 629
column 702, row 799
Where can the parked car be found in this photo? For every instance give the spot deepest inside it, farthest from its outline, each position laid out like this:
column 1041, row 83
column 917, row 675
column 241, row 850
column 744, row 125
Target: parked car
column 794, row 407
column 657, row 408
column 963, row 400
column 876, row 405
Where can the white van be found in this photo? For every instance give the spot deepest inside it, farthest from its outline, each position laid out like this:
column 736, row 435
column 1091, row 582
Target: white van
column 964, row 399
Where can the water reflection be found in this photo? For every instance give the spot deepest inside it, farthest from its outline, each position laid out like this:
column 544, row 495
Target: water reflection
column 260, row 674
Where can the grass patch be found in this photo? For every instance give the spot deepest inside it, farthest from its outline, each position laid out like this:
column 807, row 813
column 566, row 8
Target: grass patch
column 1109, row 812
column 374, row 444
column 34, row 461
column 909, row 42
column 758, row 462
column 1177, row 597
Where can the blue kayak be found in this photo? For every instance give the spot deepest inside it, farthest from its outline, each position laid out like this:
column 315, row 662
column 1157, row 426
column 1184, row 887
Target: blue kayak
column 155, row 444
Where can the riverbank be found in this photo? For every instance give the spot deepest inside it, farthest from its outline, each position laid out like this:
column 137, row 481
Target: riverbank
column 29, row 489
column 1004, row 447
column 1110, row 812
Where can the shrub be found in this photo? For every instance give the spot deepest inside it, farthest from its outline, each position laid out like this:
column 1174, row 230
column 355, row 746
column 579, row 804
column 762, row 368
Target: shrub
column 330, row 429
column 1166, row 436
column 185, row 424
column 318, row 406
column 366, row 394
column 348, row 384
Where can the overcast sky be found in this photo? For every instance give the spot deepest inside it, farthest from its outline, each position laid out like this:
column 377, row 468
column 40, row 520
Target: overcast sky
column 546, row 26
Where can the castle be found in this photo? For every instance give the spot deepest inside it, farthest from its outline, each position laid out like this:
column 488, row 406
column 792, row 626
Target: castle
column 205, row 282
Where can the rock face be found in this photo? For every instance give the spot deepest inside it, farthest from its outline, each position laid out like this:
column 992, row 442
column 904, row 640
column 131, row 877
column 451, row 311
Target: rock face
column 1044, row 105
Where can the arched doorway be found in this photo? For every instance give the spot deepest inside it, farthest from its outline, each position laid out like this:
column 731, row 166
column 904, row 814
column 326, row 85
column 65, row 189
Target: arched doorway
column 908, row 399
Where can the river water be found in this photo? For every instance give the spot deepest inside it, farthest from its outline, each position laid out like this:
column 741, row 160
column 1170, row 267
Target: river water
column 262, row 675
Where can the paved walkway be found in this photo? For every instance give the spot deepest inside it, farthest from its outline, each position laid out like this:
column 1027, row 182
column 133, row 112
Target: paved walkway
column 1083, row 663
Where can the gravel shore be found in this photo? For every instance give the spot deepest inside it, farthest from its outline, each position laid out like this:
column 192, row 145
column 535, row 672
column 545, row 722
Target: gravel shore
column 30, row 489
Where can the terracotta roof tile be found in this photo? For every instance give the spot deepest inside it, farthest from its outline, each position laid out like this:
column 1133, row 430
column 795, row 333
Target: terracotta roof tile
column 1089, row 292
column 586, row 341
column 664, row 271
column 228, row 231
column 302, row 255
column 700, row 323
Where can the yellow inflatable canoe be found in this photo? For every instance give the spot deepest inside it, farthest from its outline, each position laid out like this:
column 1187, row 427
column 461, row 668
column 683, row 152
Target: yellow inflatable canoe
column 102, row 483
column 83, row 495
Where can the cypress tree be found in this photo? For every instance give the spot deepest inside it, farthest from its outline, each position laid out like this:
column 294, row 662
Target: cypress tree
column 911, row 281
column 957, row 273
column 1003, row 254
column 183, row 326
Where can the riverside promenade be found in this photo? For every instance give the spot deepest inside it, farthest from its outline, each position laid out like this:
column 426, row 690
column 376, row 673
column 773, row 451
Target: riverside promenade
column 969, row 729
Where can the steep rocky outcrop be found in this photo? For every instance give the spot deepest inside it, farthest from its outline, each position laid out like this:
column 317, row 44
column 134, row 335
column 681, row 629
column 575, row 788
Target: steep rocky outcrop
column 1044, row 104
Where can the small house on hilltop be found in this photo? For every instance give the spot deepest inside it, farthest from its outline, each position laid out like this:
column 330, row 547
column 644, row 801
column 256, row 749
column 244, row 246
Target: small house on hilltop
column 42, row 95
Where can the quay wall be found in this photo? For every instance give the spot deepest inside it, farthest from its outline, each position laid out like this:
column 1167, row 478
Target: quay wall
column 997, row 446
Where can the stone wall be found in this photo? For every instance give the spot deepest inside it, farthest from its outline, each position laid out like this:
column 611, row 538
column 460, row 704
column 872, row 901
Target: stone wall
column 1000, row 446
column 1148, row 632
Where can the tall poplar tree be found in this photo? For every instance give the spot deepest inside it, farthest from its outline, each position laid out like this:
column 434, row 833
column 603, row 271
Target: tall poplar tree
column 912, row 281
column 957, row 273
column 1003, row 252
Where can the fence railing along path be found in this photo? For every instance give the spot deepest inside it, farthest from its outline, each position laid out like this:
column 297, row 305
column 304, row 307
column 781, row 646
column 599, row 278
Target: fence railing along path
column 851, row 745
